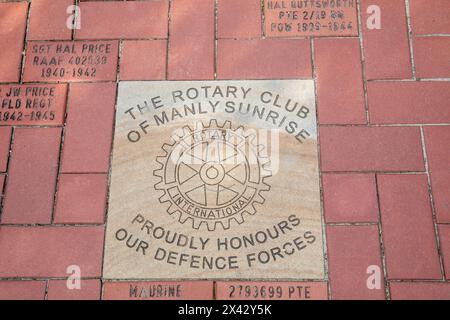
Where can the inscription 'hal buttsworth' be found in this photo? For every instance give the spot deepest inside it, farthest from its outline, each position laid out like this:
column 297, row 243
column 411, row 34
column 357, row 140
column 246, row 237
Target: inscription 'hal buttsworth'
column 215, row 179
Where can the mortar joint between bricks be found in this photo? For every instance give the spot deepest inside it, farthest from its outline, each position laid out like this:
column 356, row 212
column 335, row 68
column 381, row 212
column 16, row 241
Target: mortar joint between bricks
column 432, row 205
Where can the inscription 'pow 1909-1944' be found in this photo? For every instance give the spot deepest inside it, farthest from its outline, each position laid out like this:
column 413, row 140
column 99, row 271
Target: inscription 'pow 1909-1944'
column 215, row 179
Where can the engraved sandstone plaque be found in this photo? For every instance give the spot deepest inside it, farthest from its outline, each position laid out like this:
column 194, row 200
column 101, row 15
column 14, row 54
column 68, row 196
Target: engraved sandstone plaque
column 215, row 179
column 299, row 18
column 71, row 61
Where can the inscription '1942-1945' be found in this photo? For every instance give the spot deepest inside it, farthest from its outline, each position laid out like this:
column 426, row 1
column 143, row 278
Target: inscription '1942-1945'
column 32, row 104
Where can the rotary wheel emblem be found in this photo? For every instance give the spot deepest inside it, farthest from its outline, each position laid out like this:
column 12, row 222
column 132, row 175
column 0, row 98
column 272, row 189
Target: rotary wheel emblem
column 212, row 175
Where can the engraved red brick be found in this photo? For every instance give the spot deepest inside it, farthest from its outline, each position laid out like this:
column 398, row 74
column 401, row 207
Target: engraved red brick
column 408, row 229
column 22, row 290
column 432, row 57
column 371, row 149
column 48, row 20
column 409, row 102
column 339, row 81
column 58, row 290
column 71, row 61
column 13, row 18
column 239, row 19
column 81, row 198
column 350, row 198
column 32, row 176
column 444, row 234
column 148, row 290
column 38, row 104
column 305, row 18
column 5, row 139
column 420, row 291
column 386, row 50
column 123, row 20
column 437, row 140
column 353, row 251
column 247, row 290
column 430, row 17
column 143, row 60
column 87, row 142
column 48, row 251
column 281, row 58
column 191, row 45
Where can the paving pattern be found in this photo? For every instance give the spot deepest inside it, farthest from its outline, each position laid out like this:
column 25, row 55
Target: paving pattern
column 383, row 108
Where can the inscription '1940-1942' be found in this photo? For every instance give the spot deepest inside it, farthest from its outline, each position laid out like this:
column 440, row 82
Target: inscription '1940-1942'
column 71, row 61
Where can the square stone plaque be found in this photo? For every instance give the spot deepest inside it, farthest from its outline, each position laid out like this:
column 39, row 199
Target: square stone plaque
column 215, row 180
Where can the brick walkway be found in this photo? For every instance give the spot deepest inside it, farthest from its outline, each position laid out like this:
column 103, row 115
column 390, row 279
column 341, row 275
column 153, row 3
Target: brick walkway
column 383, row 101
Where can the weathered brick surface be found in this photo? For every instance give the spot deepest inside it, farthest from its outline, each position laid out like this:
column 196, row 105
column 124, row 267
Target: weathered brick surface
column 32, row 176
column 350, row 198
column 36, row 252
column 408, row 230
column 48, row 20
column 22, row 290
column 345, row 105
column 371, row 149
column 430, row 17
column 127, row 20
column 436, row 138
column 282, row 59
column 386, row 50
column 432, row 57
column 90, row 290
column 12, row 32
column 191, row 44
column 352, row 250
column 409, row 102
column 88, row 135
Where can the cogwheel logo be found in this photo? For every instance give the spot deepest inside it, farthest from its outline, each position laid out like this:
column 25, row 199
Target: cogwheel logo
column 211, row 175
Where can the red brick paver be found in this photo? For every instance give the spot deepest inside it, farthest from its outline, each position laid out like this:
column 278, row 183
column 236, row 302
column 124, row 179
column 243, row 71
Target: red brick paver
column 5, row 139
column 432, row 57
column 13, row 18
column 232, row 25
column 289, row 59
column 49, row 251
column 409, row 102
column 81, row 198
column 127, row 20
column 353, row 250
column 386, row 50
column 420, row 291
column 436, row 138
column 48, row 20
column 408, row 230
column 338, row 66
column 22, row 290
column 371, row 149
column 89, row 290
column 143, row 60
column 32, row 176
column 430, row 17
column 88, row 135
column 350, row 198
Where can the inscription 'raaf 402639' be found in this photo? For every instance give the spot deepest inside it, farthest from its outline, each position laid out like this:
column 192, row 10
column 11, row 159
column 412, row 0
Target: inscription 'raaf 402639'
column 215, row 179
